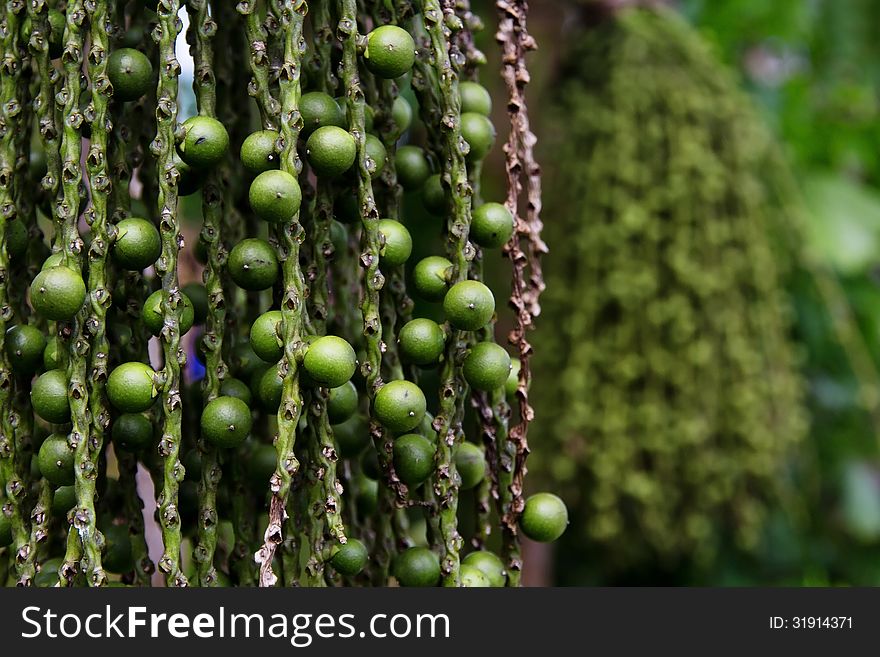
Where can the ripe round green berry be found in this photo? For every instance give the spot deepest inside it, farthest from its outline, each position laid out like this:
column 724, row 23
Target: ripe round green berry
column 117, row 551
column 58, row 293
column 544, row 517
column 236, row 388
column 398, row 243
column 351, row 436
column 412, row 166
column 413, row 458
column 63, row 500
column 490, row 565
column 491, row 225
column 198, row 296
column 366, row 498
column 265, row 339
column 130, row 73
column 267, row 387
column 226, row 422
column 153, row 313
column 25, row 345
column 131, row 387
column 478, row 131
column 402, row 113
column 206, row 142
column 275, row 196
column 400, row 406
column 434, row 196
column 137, row 244
column 429, row 278
column 330, row 361
column 469, row 305
column 245, row 361
column 390, row 52
column 331, row 151
column 342, row 402
column 253, row 264
column 421, row 341
column 261, row 464
column 471, row 465
column 49, row 397
column 472, row 577
column 16, row 238
column 512, row 382
column 56, row 460
column 319, row 109
column 376, row 153
column 486, row 366
column 417, row 566
column 258, row 153
column 475, row 98
column 351, row 558
column 132, row 432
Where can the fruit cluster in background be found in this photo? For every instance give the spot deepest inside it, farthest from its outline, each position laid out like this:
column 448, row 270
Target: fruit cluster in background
column 325, row 443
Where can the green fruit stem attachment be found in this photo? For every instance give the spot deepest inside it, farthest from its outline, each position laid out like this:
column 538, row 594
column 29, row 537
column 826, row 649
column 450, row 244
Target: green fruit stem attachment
column 15, row 487
column 84, row 541
column 291, row 14
column 201, row 35
column 162, row 148
column 524, row 250
column 440, row 24
column 373, row 280
column 257, row 36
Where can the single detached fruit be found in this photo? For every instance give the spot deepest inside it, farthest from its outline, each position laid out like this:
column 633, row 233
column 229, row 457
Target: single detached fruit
column 25, row 345
column 236, row 388
column 342, row 402
column 132, row 432
column 434, row 195
column 131, row 387
column 265, row 336
column 226, row 421
column 53, row 353
column 400, row 406
column 544, row 517
column 58, row 293
column 63, row 500
column 367, row 497
column 478, row 131
column 486, row 366
column 49, row 397
column 330, row 361
column 153, row 313
column 491, row 225
column 474, row 98
column 398, row 243
column 56, row 460
column 390, row 52
column 421, row 341
column 472, row 577
column 413, row 458
column 267, row 388
column 319, row 109
column 351, row 558
column 130, row 73
column 469, row 305
column 471, row 465
column 512, row 382
column 429, row 278
column 490, row 564
column 376, row 153
column 117, row 553
column 412, row 166
column 137, row 245
column 275, row 196
column 331, row 151
column 253, row 264
column 417, row 566
column 258, row 152
column 402, row 114
column 206, row 142
column 198, row 296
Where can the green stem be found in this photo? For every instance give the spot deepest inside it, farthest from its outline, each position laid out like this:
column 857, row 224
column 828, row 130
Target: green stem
column 259, row 88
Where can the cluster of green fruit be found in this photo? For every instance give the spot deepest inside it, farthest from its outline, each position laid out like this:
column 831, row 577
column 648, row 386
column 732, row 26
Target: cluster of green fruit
column 344, row 392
